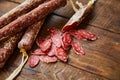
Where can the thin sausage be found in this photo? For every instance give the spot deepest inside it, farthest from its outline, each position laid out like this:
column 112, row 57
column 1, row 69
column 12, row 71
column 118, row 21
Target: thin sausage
column 30, row 18
column 30, row 36
column 23, row 8
column 6, row 48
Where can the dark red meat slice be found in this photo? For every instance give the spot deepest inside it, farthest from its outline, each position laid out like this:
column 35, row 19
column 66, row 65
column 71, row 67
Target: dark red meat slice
column 33, row 60
column 61, row 54
column 46, row 44
column 56, row 37
column 77, row 47
column 52, row 50
column 87, row 35
column 83, row 35
column 66, row 40
column 48, row 59
column 38, row 52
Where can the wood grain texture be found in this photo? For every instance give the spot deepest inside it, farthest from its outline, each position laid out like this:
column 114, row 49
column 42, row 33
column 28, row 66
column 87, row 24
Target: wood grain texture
column 102, row 59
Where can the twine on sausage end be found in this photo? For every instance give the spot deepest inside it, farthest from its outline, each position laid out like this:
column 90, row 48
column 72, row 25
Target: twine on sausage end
column 19, row 68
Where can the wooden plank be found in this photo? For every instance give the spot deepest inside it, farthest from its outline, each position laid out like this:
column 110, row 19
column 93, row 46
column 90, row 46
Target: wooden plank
column 17, row 1
column 105, row 14
column 6, row 6
column 55, row 71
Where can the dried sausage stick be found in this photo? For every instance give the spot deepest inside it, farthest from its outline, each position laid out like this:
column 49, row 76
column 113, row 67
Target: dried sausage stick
column 23, row 8
column 30, row 36
column 79, row 15
column 30, row 18
column 7, row 48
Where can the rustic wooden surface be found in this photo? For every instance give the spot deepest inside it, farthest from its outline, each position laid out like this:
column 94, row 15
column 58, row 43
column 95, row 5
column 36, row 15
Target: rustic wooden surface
column 102, row 59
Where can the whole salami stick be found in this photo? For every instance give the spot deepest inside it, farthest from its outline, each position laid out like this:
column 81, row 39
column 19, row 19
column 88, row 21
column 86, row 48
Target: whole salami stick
column 25, row 44
column 79, row 15
column 30, row 18
column 30, row 36
column 6, row 49
column 23, row 8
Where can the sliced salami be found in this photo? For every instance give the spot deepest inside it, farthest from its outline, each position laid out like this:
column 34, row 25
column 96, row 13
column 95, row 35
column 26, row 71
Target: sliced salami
column 83, row 35
column 66, row 40
column 61, row 54
column 38, row 52
column 33, row 60
column 56, row 37
column 77, row 47
column 52, row 50
column 48, row 59
column 46, row 44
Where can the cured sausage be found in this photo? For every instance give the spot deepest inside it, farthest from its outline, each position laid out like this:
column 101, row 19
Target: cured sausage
column 23, row 8
column 77, row 18
column 30, row 36
column 6, row 49
column 30, row 18
column 38, row 52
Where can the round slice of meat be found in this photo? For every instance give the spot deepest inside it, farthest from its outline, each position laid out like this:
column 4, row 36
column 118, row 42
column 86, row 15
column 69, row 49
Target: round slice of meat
column 48, row 59
column 61, row 54
column 66, row 40
column 77, row 47
column 38, row 52
column 33, row 60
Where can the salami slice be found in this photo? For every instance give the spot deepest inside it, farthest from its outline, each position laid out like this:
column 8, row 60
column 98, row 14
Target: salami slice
column 77, row 47
column 61, row 54
column 21, row 9
column 38, row 52
column 56, row 37
column 66, row 40
column 30, row 36
column 52, row 50
column 83, row 35
column 48, row 59
column 46, row 44
column 7, row 47
column 33, row 60
column 30, row 18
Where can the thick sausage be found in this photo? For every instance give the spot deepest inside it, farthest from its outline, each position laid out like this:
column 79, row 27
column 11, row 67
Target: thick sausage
column 6, row 48
column 23, row 8
column 30, row 36
column 30, row 18
column 77, row 18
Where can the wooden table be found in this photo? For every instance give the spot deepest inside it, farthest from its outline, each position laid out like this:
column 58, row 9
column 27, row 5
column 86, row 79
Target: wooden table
column 102, row 59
